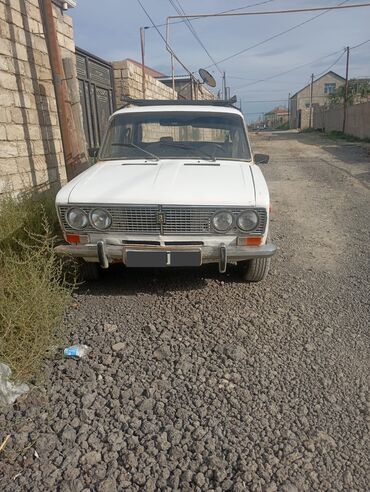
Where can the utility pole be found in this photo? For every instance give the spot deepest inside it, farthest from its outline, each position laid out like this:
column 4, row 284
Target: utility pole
column 289, row 110
column 142, row 45
column 75, row 161
column 345, row 103
column 224, row 86
column 311, row 97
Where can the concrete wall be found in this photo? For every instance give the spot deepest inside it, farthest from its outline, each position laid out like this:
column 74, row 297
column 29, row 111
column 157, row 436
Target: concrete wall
column 128, row 82
column 301, row 100
column 331, row 119
column 31, row 153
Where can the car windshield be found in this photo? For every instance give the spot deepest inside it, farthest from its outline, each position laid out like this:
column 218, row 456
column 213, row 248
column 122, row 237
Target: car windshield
column 177, row 135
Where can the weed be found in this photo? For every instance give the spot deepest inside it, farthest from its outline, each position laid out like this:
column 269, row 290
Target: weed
column 33, row 289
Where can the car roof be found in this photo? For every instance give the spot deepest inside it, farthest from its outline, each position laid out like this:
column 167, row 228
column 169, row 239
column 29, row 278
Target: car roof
column 174, row 108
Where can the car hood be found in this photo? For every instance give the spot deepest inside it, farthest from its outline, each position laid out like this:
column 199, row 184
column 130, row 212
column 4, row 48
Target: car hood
column 186, row 182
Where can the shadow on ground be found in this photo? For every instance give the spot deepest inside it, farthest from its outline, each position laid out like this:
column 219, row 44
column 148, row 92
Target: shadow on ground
column 121, row 281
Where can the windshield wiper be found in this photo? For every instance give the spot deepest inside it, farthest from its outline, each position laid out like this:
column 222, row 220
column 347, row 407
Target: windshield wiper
column 121, row 144
column 185, row 147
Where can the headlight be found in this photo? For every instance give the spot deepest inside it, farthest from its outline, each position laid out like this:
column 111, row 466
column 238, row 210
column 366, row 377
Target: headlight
column 76, row 218
column 222, row 221
column 100, row 219
column 248, row 220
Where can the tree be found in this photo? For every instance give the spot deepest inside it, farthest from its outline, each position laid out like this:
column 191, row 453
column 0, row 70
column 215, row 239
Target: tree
column 358, row 91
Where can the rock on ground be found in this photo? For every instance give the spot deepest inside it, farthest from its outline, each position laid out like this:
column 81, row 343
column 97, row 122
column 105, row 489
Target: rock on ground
column 197, row 381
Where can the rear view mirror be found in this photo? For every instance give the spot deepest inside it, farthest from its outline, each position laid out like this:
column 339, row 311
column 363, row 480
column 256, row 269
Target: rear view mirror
column 93, row 152
column 261, row 158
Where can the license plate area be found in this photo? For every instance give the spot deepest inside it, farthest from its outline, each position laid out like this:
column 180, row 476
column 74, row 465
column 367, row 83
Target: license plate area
column 162, row 259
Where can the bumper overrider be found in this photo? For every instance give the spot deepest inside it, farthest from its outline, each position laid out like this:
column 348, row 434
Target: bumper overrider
column 104, row 253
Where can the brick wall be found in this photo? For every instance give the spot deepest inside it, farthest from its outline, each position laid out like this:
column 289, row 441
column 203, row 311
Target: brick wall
column 31, row 153
column 128, row 82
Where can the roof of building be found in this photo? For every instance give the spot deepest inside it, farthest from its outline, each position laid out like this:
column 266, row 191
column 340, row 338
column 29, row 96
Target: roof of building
column 149, row 71
column 324, row 75
column 278, row 110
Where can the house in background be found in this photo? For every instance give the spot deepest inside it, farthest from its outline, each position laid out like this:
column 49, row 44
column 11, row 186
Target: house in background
column 276, row 117
column 300, row 101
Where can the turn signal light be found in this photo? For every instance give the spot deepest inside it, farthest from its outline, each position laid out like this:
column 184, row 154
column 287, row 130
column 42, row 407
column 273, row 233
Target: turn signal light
column 72, row 238
column 249, row 241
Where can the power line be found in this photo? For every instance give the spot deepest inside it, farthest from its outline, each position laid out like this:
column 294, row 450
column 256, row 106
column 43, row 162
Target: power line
column 332, row 65
column 222, row 12
column 189, row 25
column 271, row 12
column 290, row 70
column 164, row 39
column 296, row 26
column 304, row 65
column 361, row 44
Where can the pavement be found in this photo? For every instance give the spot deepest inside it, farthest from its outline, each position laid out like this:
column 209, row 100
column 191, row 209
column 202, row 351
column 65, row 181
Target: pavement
column 198, row 381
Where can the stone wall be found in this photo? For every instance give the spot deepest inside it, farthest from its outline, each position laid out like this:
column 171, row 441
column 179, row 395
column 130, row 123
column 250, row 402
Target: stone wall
column 331, row 119
column 128, row 83
column 31, row 153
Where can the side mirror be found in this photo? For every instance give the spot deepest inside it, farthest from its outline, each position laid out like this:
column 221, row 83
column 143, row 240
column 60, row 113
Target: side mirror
column 261, row 158
column 93, row 152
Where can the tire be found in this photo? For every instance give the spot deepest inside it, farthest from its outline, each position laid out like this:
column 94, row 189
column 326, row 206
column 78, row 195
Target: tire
column 89, row 271
column 255, row 270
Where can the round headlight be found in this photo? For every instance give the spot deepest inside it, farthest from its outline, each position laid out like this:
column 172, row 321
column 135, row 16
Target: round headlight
column 100, row 219
column 222, row 221
column 76, row 218
column 248, row 220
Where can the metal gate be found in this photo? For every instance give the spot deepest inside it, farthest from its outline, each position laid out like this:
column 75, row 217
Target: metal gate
column 95, row 80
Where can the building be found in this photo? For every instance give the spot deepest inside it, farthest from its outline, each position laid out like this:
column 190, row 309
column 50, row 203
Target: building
column 187, row 87
column 300, row 102
column 276, row 117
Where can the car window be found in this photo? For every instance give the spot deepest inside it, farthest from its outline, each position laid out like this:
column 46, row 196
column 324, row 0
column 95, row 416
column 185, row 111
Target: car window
column 176, row 135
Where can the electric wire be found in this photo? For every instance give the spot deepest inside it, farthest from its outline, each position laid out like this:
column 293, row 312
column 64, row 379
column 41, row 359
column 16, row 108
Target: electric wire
column 164, row 39
column 222, row 12
column 189, row 25
column 260, row 43
column 304, row 65
column 332, row 65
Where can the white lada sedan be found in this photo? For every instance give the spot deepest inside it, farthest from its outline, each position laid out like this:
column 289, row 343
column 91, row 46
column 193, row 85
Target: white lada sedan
column 175, row 185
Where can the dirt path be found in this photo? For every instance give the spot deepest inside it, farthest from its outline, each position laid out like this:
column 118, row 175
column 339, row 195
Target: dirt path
column 218, row 385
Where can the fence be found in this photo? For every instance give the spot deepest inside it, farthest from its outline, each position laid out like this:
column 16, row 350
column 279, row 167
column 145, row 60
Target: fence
column 331, row 119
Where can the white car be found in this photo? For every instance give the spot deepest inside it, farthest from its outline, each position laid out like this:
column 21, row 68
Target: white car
column 175, row 185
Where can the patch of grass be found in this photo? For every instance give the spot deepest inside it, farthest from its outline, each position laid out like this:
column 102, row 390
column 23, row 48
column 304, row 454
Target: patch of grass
column 284, row 126
column 33, row 289
column 336, row 135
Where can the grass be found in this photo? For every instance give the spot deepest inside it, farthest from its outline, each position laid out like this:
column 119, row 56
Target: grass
column 336, row 135
column 34, row 292
column 284, row 126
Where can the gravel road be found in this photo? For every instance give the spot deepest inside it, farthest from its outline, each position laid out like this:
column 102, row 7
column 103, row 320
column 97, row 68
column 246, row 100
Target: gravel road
column 197, row 381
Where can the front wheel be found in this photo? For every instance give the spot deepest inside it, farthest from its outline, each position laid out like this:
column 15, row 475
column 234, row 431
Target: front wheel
column 254, row 270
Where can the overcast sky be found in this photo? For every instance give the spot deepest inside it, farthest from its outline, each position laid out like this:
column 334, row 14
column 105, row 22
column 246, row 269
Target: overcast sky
column 110, row 29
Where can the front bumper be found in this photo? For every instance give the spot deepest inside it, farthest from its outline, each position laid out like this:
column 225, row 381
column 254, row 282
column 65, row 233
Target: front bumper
column 104, row 253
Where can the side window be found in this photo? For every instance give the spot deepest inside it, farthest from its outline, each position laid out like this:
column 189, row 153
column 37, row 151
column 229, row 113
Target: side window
column 329, row 88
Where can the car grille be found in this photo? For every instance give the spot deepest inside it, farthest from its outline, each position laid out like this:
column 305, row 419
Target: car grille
column 177, row 219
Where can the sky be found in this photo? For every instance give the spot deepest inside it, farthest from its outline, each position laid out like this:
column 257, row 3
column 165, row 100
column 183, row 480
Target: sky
column 110, row 30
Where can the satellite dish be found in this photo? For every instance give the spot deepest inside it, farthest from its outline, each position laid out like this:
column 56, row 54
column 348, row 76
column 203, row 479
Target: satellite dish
column 207, row 77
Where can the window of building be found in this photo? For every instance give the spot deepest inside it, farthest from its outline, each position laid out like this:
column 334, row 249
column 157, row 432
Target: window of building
column 329, row 88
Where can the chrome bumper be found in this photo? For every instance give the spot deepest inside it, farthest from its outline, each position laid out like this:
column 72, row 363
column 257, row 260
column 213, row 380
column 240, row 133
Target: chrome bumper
column 104, row 254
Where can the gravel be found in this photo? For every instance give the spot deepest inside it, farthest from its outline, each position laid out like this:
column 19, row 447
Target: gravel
column 197, row 381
